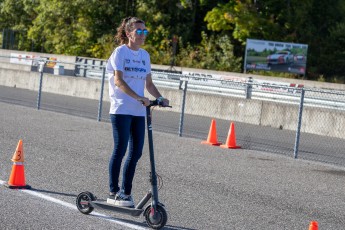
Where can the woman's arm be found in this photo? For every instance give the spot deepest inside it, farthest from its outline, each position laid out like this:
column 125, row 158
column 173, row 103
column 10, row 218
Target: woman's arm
column 151, row 88
column 119, row 82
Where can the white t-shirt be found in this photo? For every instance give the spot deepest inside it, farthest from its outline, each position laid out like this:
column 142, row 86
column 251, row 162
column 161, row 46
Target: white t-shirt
column 135, row 66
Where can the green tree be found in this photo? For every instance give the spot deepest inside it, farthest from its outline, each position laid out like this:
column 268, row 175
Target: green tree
column 211, row 34
column 215, row 52
column 251, row 19
column 166, row 19
column 79, row 27
column 333, row 58
column 17, row 16
column 313, row 22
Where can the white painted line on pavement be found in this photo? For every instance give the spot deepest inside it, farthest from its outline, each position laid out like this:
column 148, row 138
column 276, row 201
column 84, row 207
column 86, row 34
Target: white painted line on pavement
column 71, row 206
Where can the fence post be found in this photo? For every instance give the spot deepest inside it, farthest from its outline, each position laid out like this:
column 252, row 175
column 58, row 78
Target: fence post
column 3, row 39
column 184, row 92
column 299, row 124
column 100, row 103
column 84, row 67
column 40, row 70
column 249, row 88
column 76, row 67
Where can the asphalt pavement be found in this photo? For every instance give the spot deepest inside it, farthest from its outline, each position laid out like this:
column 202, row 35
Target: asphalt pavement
column 204, row 187
column 319, row 148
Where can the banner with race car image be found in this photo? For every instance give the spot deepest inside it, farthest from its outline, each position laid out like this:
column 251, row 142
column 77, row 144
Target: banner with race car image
column 275, row 56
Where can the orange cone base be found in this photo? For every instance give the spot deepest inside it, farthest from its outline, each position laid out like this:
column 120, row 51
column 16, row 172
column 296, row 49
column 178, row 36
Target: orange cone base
column 17, row 177
column 209, row 143
column 17, row 186
column 230, row 147
column 314, row 225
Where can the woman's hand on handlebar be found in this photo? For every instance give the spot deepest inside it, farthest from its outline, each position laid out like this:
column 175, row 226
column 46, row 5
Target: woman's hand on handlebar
column 144, row 100
column 164, row 102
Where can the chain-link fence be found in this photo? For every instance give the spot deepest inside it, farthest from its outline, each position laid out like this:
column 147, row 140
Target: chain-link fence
column 322, row 126
column 295, row 121
column 299, row 122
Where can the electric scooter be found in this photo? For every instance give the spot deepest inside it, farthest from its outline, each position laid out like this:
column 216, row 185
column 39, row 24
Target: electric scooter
column 155, row 213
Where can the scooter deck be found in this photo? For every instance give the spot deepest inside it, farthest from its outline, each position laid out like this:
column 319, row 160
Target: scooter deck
column 111, row 207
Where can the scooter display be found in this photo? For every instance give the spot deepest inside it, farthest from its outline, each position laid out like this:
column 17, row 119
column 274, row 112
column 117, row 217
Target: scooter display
column 154, row 213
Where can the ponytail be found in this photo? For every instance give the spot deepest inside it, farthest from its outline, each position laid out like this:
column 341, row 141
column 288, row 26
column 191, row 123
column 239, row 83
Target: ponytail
column 126, row 26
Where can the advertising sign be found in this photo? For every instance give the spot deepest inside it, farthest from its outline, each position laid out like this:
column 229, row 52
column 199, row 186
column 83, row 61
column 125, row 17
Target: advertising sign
column 24, row 59
column 51, row 62
column 275, row 56
column 28, row 59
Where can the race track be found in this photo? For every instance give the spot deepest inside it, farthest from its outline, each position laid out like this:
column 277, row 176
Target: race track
column 204, row 187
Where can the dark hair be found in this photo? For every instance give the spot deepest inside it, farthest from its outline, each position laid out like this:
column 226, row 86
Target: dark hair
column 126, row 26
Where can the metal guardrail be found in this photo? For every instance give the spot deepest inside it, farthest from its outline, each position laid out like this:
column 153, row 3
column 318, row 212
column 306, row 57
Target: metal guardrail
column 207, row 85
column 224, row 87
column 249, row 90
column 276, row 93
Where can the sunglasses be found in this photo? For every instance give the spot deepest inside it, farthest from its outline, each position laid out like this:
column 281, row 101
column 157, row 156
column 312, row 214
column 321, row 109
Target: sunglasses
column 140, row 32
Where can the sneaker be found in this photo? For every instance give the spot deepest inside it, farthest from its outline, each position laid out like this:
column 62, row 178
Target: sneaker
column 112, row 195
column 121, row 200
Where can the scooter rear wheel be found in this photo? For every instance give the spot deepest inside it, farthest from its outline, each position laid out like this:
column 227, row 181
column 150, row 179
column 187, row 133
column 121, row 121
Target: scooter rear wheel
column 160, row 220
column 83, row 202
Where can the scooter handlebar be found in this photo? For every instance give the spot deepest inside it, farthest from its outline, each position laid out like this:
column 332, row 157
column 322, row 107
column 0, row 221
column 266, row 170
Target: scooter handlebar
column 159, row 103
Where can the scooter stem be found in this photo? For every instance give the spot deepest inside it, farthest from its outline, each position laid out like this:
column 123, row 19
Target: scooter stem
column 152, row 160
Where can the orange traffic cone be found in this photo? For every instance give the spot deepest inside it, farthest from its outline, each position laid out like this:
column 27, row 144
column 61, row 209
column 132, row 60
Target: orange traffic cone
column 313, row 225
column 212, row 135
column 17, row 177
column 231, row 139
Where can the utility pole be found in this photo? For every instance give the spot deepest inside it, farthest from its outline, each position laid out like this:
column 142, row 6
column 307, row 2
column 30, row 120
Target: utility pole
column 174, row 47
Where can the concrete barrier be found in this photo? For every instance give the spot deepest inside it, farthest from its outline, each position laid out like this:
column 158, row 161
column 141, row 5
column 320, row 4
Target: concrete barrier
column 64, row 85
column 7, row 65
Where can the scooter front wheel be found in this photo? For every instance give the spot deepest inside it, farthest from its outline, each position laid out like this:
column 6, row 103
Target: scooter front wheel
column 83, row 202
column 158, row 220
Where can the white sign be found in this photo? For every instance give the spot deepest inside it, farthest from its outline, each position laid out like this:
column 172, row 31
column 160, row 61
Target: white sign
column 275, row 56
column 24, row 59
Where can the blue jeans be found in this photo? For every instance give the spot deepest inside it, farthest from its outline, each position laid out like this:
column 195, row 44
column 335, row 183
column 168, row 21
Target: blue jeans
column 127, row 129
